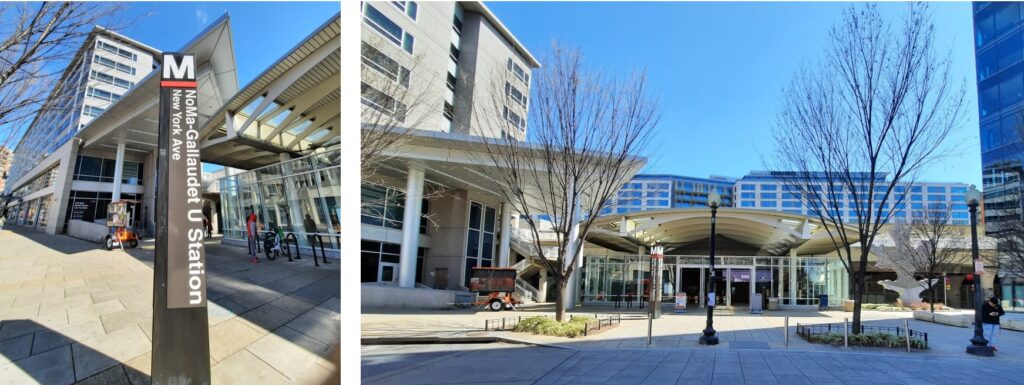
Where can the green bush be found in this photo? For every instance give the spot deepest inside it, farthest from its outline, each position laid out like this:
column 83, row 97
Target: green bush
column 874, row 339
column 549, row 327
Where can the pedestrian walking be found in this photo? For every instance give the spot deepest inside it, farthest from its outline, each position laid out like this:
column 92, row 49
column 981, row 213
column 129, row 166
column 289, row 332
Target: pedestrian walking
column 250, row 226
column 990, row 312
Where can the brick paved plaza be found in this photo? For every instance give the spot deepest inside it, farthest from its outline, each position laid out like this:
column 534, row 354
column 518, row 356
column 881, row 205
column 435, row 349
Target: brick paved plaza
column 71, row 312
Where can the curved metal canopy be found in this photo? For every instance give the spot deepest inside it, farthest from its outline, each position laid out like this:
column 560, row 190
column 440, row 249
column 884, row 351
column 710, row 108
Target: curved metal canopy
column 765, row 231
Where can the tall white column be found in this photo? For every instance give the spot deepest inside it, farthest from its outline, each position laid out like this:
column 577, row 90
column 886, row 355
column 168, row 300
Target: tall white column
column 542, row 285
column 573, row 256
column 118, row 173
column 506, row 234
column 411, row 227
column 297, row 221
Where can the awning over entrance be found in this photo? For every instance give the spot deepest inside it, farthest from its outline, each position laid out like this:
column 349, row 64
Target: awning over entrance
column 291, row 108
column 133, row 119
column 763, row 232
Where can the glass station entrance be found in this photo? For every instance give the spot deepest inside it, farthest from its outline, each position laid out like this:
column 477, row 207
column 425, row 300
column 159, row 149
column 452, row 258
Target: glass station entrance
column 792, row 280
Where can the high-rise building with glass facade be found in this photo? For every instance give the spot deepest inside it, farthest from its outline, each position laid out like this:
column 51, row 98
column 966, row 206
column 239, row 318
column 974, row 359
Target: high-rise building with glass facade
column 998, row 39
column 999, row 50
column 769, row 191
column 656, row 192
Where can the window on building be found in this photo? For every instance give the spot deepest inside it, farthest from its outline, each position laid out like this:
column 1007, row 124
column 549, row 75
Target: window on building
column 385, row 207
column 375, row 255
column 936, row 189
column 387, row 28
column 748, row 187
column 383, row 102
column 769, row 203
column 116, row 51
column 102, row 95
column 514, row 118
column 791, row 204
column 934, row 198
column 480, row 238
column 768, row 187
column 385, row 65
column 92, row 111
column 518, row 71
column 110, row 79
column 748, row 195
column 106, row 62
column 747, row 204
column 514, row 93
column 769, row 196
column 408, row 7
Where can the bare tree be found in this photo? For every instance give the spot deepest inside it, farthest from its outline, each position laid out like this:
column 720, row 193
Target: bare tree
column 37, row 39
column 929, row 247
column 863, row 123
column 585, row 135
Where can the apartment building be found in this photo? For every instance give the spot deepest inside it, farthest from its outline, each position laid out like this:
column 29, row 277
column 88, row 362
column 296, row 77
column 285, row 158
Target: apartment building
column 454, row 75
column 445, row 61
column 106, row 67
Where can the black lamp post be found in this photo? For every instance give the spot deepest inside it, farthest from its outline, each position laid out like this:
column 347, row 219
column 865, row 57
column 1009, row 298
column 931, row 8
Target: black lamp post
column 709, row 337
column 979, row 345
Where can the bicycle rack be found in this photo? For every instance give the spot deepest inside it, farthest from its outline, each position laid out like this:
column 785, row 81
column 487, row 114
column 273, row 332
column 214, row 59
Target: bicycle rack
column 322, row 253
column 288, row 249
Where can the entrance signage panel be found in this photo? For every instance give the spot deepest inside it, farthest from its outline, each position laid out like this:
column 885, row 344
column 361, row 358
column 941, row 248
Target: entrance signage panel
column 181, row 332
column 755, row 304
column 186, row 259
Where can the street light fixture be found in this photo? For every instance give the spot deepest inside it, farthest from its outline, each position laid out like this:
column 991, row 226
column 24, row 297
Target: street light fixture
column 979, row 345
column 709, row 337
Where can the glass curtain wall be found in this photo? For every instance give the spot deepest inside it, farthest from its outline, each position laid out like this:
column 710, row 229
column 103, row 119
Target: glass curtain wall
column 300, row 196
column 607, row 277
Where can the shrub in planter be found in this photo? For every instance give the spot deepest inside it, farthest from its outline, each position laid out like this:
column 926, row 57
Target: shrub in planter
column 874, row 339
column 550, row 327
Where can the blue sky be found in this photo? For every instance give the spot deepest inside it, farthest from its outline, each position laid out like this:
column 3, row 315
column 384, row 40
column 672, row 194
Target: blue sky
column 262, row 32
column 719, row 69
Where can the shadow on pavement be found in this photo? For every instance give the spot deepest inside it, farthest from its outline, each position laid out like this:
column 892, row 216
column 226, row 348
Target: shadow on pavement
column 33, row 353
column 291, row 301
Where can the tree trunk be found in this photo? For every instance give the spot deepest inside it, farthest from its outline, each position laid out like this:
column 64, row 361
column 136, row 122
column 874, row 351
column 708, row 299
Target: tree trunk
column 560, row 298
column 857, row 300
column 931, row 294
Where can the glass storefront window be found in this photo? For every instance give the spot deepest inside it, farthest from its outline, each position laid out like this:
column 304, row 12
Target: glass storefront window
column 294, row 195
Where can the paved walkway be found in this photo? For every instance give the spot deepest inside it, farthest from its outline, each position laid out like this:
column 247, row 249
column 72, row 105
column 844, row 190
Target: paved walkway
column 738, row 331
column 71, row 312
column 521, row 364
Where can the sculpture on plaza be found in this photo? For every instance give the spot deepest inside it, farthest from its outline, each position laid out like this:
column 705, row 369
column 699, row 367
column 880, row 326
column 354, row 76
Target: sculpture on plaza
column 900, row 256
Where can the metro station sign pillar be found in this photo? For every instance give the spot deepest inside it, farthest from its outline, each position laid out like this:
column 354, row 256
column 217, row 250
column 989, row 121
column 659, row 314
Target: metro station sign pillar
column 181, row 334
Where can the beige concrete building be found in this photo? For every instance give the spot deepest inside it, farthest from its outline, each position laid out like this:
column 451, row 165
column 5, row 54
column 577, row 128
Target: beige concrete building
column 434, row 68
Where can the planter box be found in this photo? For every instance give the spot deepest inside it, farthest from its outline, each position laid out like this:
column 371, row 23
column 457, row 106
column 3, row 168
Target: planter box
column 1012, row 324
column 958, row 320
column 848, row 305
column 924, row 315
column 773, row 304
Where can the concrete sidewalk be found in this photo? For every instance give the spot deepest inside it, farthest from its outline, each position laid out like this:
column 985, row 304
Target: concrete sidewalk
column 72, row 312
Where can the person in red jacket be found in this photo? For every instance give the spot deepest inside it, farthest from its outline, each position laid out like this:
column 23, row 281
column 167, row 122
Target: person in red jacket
column 251, row 229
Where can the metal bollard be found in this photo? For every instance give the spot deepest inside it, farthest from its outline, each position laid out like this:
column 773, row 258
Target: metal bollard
column 786, row 332
column 650, row 326
column 846, row 333
column 906, row 324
